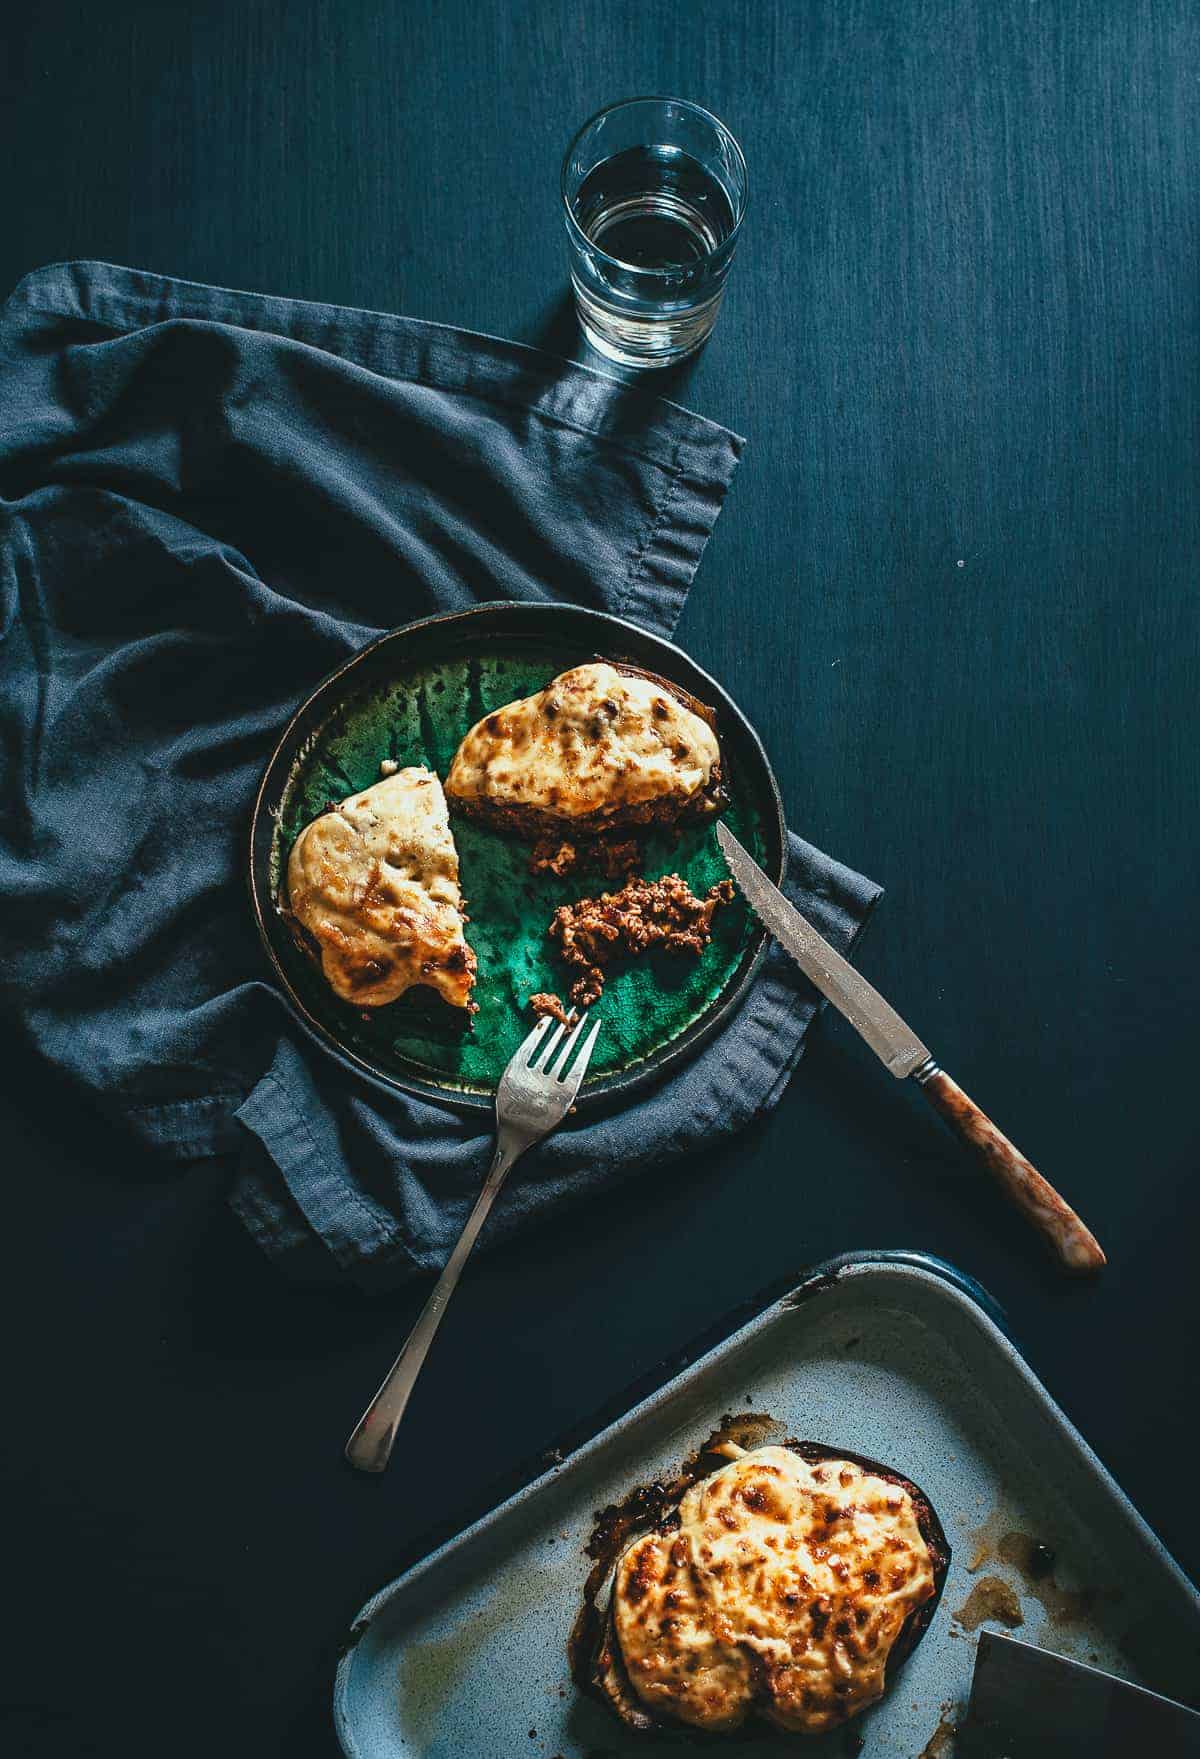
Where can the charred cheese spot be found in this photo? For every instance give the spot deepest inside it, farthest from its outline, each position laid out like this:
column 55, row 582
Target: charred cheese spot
column 373, row 884
column 797, row 1632
column 594, row 744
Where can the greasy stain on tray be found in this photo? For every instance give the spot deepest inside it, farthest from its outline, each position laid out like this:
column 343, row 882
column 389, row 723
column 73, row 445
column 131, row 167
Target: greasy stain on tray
column 431, row 1669
column 1035, row 1562
column 419, row 717
column 990, row 1600
column 941, row 1742
column 985, row 1538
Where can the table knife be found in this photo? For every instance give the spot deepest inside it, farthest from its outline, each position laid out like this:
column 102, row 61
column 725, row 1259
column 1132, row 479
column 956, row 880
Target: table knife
column 902, row 1053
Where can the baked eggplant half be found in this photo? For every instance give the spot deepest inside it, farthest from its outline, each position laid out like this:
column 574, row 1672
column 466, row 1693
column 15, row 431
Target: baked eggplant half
column 604, row 747
column 373, row 894
column 785, row 1583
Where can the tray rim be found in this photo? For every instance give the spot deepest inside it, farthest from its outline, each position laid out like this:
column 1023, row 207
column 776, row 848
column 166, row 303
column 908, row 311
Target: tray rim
column 610, row 1091
column 963, row 1291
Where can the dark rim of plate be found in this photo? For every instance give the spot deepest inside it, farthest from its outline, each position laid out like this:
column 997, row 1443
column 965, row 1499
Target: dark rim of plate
column 594, row 633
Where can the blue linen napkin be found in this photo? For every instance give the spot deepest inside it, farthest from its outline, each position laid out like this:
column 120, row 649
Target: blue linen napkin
column 207, row 500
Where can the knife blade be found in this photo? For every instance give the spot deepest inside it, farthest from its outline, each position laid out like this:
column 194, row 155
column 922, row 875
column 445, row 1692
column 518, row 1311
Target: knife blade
column 891, row 1038
column 904, row 1055
column 1027, row 1703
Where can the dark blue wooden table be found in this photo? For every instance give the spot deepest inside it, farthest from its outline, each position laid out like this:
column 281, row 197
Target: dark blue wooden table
column 956, row 586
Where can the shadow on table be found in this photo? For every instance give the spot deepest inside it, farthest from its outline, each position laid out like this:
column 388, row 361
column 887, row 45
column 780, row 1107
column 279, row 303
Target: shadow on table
column 557, row 331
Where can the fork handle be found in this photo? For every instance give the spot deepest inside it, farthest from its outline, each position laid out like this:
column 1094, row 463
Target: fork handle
column 370, row 1447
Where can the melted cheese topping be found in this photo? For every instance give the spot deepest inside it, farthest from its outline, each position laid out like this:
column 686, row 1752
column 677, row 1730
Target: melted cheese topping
column 375, row 884
column 594, row 741
column 781, row 1594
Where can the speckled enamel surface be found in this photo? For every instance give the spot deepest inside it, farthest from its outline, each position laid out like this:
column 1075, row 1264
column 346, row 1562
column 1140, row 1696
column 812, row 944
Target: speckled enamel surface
column 466, row 1652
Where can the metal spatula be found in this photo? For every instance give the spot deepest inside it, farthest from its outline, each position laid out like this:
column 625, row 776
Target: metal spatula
column 1027, row 1703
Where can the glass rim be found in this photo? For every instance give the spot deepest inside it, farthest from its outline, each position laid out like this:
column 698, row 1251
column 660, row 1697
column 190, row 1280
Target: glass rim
column 722, row 128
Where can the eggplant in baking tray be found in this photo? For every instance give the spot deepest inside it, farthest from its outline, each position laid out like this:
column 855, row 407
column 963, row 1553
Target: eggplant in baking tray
column 888, row 1357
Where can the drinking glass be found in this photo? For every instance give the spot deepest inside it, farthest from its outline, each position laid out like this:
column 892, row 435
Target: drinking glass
column 654, row 191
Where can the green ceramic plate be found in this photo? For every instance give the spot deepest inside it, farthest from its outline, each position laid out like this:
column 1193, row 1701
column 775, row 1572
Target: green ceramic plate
column 411, row 696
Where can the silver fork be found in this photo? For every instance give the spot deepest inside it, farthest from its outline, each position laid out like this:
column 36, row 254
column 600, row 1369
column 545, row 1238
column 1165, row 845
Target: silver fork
column 531, row 1100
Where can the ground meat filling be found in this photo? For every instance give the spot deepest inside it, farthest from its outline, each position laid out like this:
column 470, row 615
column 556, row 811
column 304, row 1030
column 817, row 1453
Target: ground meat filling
column 662, row 913
column 612, row 858
column 543, row 1004
column 615, row 859
column 553, row 855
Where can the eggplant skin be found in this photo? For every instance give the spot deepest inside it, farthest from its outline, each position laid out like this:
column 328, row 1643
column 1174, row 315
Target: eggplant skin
column 597, row 1666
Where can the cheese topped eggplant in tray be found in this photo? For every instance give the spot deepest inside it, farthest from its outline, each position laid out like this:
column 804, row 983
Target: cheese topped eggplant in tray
column 601, row 748
column 786, row 1585
column 373, row 890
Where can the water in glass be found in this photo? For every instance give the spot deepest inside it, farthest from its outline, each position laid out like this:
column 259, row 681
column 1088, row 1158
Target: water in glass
column 654, row 192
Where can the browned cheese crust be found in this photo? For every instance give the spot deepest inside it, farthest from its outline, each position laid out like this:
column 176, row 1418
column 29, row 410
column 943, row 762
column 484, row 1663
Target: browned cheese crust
column 602, row 747
column 787, row 1586
column 374, row 896
column 663, row 913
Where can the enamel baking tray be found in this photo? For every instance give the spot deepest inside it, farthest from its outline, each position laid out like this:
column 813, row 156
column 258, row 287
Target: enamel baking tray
column 894, row 1355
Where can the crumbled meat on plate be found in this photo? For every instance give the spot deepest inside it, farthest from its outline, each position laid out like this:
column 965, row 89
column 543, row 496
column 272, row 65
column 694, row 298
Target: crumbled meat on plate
column 553, row 855
column 662, row 913
column 615, row 858
column 543, row 1004
column 611, row 857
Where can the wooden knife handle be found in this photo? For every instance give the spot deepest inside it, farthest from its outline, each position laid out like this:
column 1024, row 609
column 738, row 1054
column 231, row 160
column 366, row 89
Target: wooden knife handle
column 1077, row 1248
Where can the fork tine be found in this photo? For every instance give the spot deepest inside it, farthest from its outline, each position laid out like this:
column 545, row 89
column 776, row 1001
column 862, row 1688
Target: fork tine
column 524, row 1052
column 575, row 1078
column 560, row 1061
column 541, row 1062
